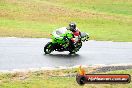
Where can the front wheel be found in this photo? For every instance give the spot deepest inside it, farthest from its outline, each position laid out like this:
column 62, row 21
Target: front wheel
column 75, row 48
column 48, row 48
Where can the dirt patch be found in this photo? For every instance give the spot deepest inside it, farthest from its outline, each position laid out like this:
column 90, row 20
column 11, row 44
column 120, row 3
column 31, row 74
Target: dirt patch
column 23, row 33
column 111, row 68
column 37, row 11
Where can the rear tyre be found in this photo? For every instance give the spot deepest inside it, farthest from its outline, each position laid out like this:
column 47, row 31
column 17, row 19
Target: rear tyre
column 48, row 48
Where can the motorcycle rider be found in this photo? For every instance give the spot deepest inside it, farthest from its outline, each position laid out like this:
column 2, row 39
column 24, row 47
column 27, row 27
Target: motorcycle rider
column 76, row 33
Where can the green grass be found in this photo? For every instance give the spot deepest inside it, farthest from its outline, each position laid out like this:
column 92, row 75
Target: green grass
column 103, row 19
column 52, row 79
column 122, row 7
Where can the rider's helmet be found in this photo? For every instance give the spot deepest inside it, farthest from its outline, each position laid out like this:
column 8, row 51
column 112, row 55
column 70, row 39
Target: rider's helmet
column 72, row 27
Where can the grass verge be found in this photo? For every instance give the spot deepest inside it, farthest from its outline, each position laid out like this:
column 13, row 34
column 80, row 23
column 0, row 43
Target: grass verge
column 53, row 79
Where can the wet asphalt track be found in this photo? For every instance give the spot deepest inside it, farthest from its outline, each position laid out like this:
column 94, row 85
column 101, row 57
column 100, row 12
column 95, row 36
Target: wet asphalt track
column 23, row 53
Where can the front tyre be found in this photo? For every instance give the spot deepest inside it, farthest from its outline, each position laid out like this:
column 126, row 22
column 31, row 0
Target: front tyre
column 72, row 51
column 48, row 48
column 75, row 48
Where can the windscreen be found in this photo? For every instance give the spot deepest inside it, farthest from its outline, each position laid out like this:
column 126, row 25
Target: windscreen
column 58, row 32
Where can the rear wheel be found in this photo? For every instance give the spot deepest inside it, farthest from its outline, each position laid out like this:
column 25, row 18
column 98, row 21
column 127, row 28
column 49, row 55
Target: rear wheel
column 48, row 48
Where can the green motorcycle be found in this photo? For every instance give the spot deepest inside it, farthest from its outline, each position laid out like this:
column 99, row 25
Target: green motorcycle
column 61, row 41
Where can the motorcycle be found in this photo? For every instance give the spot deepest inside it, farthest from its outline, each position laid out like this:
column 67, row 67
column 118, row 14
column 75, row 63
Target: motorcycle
column 61, row 41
